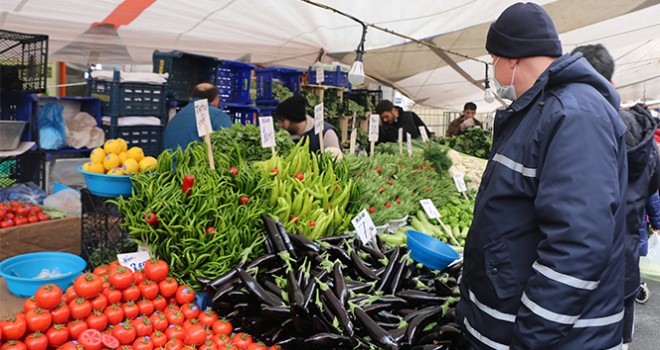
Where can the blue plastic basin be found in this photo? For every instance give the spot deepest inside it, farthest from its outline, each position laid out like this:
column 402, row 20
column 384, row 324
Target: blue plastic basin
column 20, row 271
column 430, row 251
column 111, row 186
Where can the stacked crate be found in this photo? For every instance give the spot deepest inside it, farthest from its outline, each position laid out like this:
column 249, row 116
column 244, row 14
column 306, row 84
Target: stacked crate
column 266, row 77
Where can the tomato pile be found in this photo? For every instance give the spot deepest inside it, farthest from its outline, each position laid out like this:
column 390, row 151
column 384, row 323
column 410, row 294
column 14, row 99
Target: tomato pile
column 115, row 308
column 15, row 213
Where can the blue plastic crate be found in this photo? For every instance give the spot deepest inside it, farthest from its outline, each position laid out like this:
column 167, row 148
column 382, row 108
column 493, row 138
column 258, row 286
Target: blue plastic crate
column 330, row 78
column 266, row 111
column 233, row 82
column 23, row 107
column 185, row 71
column 290, row 78
column 128, row 99
column 242, row 114
column 148, row 137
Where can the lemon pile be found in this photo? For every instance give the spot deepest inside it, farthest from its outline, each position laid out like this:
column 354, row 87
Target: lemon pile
column 115, row 158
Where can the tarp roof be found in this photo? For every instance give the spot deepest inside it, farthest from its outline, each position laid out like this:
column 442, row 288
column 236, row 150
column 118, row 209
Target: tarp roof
column 291, row 33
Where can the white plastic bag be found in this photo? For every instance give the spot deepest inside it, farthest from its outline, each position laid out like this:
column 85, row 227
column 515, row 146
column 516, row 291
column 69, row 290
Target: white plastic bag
column 67, row 201
column 649, row 265
column 81, row 131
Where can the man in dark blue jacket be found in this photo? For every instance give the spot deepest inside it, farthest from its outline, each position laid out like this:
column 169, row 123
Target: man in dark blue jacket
column 544, row 261
column 642, row 154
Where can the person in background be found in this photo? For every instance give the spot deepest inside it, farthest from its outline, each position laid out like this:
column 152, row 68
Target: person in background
column 182, row 129
column 467, row 120
column 544, row 258
column 393, row 118
column 642, row 154
column 293, row 118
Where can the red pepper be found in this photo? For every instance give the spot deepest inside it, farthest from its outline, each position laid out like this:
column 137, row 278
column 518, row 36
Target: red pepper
column 151, row 218
column 187, row 185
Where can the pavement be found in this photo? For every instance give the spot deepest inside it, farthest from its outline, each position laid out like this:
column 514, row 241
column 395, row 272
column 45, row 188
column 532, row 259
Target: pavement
column 647, row 321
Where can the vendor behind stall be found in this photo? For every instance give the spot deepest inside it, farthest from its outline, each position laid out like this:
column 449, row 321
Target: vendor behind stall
column 292, row 117
column 393, row 118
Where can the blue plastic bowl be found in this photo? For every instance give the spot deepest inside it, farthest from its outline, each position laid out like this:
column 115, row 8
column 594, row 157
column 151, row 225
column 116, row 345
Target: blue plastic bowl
column 111, row 186
column 20, row 271
column 430, row 251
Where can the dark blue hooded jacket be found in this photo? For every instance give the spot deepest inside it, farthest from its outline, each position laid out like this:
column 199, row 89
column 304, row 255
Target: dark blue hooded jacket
column 544, row 257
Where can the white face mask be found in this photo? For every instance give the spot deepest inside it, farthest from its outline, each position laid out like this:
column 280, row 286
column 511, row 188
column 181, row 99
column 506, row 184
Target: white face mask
column 507, row 92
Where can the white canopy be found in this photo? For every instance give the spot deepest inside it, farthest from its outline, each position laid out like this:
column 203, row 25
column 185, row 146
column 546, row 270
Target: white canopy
column 292, row 33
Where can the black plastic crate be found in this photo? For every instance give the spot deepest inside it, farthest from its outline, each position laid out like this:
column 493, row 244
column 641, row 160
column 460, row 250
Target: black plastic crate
column 148, row 137
column 23, row 61
column 242, row 114
column 185, row 71
column 27, row 167
column 128, row 99
column 102, row 237
column 233, row 82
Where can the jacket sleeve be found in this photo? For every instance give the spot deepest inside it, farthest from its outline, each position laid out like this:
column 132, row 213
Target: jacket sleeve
column 453, row 128
column 653, row 210
column 578, row 199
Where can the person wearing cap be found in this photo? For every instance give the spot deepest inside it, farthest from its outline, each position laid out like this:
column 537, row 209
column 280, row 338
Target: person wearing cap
column 544, row 257
column 393, row 118
column 182, row 129
column 467, row 120
column 642, row 155
column 293, row 118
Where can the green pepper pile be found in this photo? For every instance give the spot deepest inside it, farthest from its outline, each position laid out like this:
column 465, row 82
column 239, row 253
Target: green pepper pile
column 244, row 141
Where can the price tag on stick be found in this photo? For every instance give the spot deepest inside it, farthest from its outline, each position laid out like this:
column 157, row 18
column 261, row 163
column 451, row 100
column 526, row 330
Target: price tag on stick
column 422, row 131
column 267, row 133
column 374, row 124
column 459, row 182
column 318, row 123
column 320, row 75
column 204, row 127
column 409, row 144
column 133, row 261
column 429, row 208
column 401, row 141
column 364, row 226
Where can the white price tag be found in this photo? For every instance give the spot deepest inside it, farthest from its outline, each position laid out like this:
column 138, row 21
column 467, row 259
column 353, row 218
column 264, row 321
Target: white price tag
column 267, row 132
column 353, row 141
column 320, row 75
column 409, row 144
column 318, row 118
column 400, row 140
column 202, row 116
column 374, row 123
column 459, row 182
column 430, row 209
column 364, row 226
column 425, row 136
column 133, row 261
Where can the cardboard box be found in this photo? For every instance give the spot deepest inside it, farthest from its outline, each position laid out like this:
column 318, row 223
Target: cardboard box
column 9, row 303
column 61, row 235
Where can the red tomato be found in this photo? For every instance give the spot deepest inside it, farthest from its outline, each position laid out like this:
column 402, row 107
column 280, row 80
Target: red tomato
column 187, row 323
column 241, row 340
column 48, row 296
column 175, row 331
column 175, row 317
column 131, row 293
column 222, row 327
column 70, row 294
column 159, row 303
column 13, row 328
column 168, row 287
column 207, row 318
column 91, row 339
column 220, row 339
column 124, row 332
column 113, row 295
column 88, row 285
column 43, row 216
column 109, row 341
column 275, row 347
column 57, row 335
column 97, row 320
column 190, row 311
column 233, row 171
column 70, row 345
column 243, row 200
column 126, row 347
column 156, row 270
column 130, row 310
column 80, row 308
column 257, row 346
column 148, row 289
column 36, row 341
column 99, row 303
column 139, row 276
column 208, row 345
column 102, row 270
column 146, row 307
column 114, row 313
column 300, row 176
column 20, row 220
column 158, row 338
column 194, row 335
column 143, row 343
column 143, row 326
column 30, row 304
column 185, row 295
column 38, row 320
column 121, row 278
column 13, row 345
column 174, row 344
column 7, row 222
column 61, row 313
column 76, row 327
column 159, row 322
column 33, row 218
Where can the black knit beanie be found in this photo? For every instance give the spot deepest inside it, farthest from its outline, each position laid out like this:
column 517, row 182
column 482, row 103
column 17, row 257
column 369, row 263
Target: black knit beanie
column 523, row 30
column 293, row 109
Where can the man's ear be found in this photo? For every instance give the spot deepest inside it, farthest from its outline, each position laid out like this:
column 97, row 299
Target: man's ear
column 216, row 102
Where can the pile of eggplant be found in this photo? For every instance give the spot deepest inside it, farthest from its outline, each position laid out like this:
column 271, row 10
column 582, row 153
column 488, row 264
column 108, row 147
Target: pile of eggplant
column 337, row 293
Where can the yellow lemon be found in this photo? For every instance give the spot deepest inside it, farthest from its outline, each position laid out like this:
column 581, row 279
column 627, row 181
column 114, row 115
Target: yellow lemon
column 85, row 166
column 135, row 153
column 122, row 157
column 97, row 156
column 112, row 147
column 148, row 164
column 96, row 168
column 111, row 161
column 123, row 146
column 130, row 166
column 116, row 171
